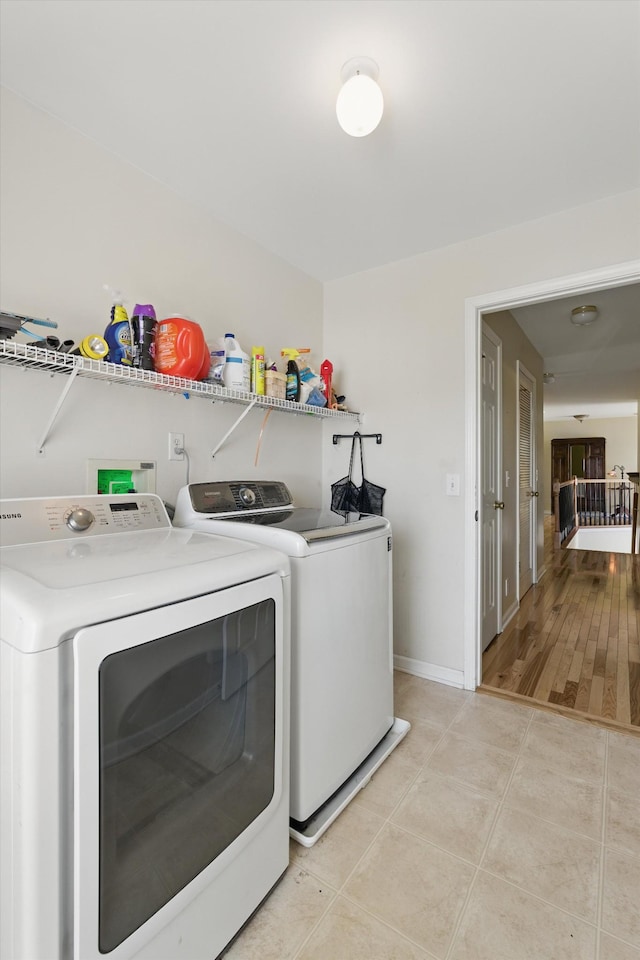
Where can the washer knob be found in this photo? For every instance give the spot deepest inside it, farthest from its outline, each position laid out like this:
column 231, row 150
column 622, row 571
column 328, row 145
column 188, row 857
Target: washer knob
column 247, row 496
column 80, row 519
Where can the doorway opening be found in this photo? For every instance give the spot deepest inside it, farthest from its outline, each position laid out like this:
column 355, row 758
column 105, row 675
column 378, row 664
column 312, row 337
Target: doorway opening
column 475, row 308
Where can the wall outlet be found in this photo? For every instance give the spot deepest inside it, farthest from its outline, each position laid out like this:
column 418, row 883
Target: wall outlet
column 176, row 446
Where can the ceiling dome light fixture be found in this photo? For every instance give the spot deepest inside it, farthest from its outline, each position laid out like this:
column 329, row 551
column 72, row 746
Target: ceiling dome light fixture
column 581, row 416
column 583, row 316
column 360, row 102
column 549, row 377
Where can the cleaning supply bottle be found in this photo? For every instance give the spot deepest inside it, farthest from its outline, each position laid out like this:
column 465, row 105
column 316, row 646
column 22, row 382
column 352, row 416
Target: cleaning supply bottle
column 143, row 326
column 326, row 375
column 181, row 349
column 293, row 373
column 237, row 366
column 118, row 333
column 257, row 370
column 217, row 354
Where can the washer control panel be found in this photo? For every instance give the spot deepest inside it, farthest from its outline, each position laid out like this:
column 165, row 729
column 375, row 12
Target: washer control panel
column 36, row 520
column 218, row 498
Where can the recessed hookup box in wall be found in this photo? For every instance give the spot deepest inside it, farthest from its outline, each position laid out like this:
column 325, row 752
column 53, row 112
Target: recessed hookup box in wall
column 121, row 476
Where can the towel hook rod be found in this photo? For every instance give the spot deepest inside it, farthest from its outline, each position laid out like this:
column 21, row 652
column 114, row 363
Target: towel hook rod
column 350, row 436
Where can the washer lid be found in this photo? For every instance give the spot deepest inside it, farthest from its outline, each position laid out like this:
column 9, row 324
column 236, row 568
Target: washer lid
column 313, row 524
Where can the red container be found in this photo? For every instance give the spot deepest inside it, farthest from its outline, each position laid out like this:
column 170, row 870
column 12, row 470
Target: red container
column 181, row 349
column 326, row 374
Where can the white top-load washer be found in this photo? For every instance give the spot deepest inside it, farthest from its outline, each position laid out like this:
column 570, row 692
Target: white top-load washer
column 342, row 718
column 144, row 678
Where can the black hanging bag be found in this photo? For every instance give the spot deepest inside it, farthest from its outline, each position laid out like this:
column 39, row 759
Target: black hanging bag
column 370, row 499
column 346, row 497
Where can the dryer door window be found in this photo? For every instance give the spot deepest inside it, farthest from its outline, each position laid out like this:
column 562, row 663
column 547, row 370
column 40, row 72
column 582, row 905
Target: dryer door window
column 179, row 746
column 186, row 759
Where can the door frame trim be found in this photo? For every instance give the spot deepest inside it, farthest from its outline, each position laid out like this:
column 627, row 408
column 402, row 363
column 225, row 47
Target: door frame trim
column 618, row 275
column 486, row 330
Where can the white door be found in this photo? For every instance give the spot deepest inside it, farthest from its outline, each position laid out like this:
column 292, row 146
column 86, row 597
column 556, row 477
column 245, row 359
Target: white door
column 491, row 486
column 527, row 482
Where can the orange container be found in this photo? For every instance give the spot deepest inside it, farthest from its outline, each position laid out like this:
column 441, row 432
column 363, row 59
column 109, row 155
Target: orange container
column 181, row 349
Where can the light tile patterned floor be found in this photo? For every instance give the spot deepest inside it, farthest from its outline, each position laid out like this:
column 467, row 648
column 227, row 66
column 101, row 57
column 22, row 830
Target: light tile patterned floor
column 493, row 832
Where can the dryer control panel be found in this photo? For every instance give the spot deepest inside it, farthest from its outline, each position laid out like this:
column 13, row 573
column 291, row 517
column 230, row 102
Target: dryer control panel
column 44, row 519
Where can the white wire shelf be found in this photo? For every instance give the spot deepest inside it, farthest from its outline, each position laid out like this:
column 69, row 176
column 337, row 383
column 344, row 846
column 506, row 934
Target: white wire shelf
column 37, row 358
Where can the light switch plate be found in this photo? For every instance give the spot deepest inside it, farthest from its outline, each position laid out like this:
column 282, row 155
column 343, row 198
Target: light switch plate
column 453, row 484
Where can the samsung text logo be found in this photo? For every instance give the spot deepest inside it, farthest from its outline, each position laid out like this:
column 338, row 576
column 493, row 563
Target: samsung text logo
column 10, row 516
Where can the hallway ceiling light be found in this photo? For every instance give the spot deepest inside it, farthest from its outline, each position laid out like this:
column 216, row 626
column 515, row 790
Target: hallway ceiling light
column 583, row 316
column 360, row 102
column 581, row 416
column 548, row 378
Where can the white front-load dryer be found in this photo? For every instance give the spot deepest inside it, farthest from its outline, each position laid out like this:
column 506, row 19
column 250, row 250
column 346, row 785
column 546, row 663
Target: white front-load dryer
column 144, row 730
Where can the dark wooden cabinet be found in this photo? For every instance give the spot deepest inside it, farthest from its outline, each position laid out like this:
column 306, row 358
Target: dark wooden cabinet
column 581, row 457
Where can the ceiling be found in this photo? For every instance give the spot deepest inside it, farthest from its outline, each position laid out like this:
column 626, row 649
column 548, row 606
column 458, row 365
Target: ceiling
column 596, row 367
column 496, row 112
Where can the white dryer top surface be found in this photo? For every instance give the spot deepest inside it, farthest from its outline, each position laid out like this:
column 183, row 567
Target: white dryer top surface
column 78, row 578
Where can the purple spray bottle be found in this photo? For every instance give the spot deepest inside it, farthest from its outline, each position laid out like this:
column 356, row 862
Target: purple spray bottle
column 143, row 325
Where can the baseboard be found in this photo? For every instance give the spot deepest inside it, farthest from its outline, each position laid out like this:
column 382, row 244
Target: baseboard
column 429, row 671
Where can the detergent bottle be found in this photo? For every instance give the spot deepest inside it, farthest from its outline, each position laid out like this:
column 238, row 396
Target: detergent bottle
column 143, row 326
column 237, row 366
column 118, row 333
column 180, row 348
column 293, row 373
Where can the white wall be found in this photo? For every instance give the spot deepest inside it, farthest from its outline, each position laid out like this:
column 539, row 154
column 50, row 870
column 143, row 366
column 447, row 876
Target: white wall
column 398, row 331
column 73, row 218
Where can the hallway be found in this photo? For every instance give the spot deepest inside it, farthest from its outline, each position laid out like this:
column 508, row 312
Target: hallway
column 574, row 644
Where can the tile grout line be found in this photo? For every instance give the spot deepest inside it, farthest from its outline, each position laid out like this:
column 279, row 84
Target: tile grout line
column 501, row 805
column 603, row 837
column 323, row 914
column 478, row 868
column 385, row 821
column 458, row 924
column 405, row 936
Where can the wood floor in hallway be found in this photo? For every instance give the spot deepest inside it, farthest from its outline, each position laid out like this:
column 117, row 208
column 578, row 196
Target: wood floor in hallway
column 574, row 644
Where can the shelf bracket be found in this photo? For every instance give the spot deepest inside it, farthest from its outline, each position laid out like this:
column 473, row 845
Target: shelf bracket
column 233, row 427
column 56, row 410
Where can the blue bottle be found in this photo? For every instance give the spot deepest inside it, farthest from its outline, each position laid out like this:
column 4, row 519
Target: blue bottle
column 118, row 335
